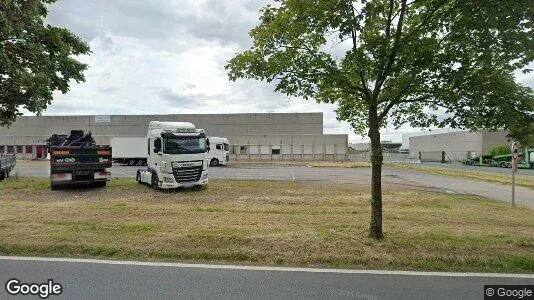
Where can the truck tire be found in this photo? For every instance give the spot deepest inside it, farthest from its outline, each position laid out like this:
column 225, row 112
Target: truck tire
column 138, row 177
column 131, row 162
column 53, row 187
column 100, row 184
column 140, row 162
column 154, row 181
column 2, row 174
column 509, row 165
column 214, row 162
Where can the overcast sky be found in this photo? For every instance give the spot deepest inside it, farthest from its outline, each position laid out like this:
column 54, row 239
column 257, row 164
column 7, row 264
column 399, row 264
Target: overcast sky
column 168, row 56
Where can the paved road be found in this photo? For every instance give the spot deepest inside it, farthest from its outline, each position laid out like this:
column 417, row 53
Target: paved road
column 361, row 176
column 91, row 279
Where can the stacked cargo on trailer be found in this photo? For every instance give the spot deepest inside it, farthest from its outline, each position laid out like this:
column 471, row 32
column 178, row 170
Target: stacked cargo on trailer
column 76, row 159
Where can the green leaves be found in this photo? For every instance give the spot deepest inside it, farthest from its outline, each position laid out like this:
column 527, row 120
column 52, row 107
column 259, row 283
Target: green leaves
column 424, row 62
column 35, row 59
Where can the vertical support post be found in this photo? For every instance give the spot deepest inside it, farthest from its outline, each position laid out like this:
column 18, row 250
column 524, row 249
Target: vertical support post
column 515, row 158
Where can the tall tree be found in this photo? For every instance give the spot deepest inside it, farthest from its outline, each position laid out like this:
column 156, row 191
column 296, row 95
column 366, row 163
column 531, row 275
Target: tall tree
column 390, row 62
column 35, row 58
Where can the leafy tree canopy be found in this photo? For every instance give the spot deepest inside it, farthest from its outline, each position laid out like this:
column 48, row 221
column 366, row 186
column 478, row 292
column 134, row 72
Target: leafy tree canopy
column 35, row 58
column 424, row 62
column 390, row 62
column 499, row 149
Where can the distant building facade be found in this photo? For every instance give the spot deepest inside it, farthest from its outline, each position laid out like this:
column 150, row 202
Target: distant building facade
column 269, row 136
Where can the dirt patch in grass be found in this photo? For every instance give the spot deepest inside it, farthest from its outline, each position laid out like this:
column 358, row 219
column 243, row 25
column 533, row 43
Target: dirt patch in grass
column 268, row 223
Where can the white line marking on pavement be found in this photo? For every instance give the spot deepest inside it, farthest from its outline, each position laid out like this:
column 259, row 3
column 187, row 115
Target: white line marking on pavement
column 264, row 268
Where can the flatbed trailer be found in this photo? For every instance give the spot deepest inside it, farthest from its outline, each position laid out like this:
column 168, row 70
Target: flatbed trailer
column 78, row 162
column 526, row 160
column 7, row 164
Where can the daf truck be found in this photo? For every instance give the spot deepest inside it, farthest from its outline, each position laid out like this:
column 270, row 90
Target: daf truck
column 177, row 156
column 131, row 151
column 219, row 153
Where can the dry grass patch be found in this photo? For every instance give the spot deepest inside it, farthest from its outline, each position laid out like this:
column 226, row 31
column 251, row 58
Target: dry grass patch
column 333, row 164
column 268, row 223
column 520, row 179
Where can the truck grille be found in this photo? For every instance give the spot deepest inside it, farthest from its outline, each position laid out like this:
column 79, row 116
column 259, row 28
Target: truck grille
column 187, row 174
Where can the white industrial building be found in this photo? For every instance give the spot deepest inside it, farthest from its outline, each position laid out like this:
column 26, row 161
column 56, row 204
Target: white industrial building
column 456, row 145
column 266, row 136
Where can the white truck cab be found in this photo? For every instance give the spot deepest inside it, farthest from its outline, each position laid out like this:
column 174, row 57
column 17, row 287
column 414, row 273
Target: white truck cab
column 177, row 156
column 220, row 151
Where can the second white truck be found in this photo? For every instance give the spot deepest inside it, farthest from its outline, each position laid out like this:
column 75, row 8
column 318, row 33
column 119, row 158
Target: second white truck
column 219, row 153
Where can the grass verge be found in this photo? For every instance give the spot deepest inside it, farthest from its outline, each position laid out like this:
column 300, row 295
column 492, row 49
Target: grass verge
column 267, row 223
column 502, row 178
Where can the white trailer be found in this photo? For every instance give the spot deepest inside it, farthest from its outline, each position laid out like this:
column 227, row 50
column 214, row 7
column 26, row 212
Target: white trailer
column 130, row 150
column 178, row 156
column 220, row 151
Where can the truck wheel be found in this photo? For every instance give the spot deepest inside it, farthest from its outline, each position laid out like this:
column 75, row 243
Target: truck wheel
column 502, row 164
column 131, row 162
column 138, row 177
column 141, row 162
column 53, row 187
column 154, row 181
column 508, row 164
column 100, row 184
column 214, row 162
column 2, row 174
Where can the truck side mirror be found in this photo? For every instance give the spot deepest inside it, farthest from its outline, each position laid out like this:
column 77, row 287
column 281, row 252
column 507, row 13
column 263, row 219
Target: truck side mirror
column 208, row 148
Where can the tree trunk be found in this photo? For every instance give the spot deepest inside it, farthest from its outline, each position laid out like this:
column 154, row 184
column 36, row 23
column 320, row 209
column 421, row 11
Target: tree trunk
column 376, row 177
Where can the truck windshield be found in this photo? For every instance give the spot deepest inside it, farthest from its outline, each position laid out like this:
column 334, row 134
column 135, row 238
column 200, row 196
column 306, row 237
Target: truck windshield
column 226, row 147
column 184, row 145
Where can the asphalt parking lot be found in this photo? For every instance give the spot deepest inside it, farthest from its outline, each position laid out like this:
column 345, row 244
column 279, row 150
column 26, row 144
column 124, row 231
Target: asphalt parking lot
column 392, row 178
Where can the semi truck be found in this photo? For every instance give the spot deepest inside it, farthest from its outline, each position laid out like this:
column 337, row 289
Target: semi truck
column 219, row 153
column 7, row 164
column 76, row 159
column 177, row 156
column 130, row 150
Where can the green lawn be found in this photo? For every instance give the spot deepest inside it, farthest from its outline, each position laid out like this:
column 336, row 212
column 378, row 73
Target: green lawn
column 266, row 223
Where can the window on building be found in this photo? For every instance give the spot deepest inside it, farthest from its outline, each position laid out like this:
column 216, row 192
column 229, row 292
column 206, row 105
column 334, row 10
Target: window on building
column 9, row 149
column 275, row 151
column 29, row 149
column 19, row 149
column 243, row 150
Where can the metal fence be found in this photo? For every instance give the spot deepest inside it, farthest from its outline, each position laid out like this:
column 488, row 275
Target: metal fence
column 388, row 157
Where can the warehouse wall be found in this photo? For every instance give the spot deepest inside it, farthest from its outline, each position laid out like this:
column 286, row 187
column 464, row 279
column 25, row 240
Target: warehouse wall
column 289, row 147
column 297, row 135
column 456, row 144
column 492, row 138
column 462, row 141
column 135, row 125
